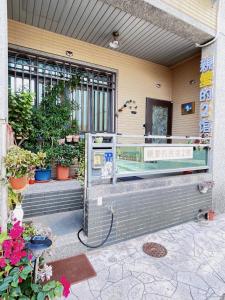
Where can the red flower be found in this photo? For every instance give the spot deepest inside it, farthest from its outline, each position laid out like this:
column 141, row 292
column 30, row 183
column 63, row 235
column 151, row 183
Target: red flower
column 2, row 263
column 66, row 286
column 20, row 280
column 16, row 231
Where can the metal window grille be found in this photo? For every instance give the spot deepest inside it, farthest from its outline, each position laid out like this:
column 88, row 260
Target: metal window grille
column 95, row 95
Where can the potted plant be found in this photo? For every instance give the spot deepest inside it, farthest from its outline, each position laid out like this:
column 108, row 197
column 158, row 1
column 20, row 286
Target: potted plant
column 63, row 156
column 43, row 171
column 69, row 138
column 75, row 131
column 17, row 269
column 19, row 163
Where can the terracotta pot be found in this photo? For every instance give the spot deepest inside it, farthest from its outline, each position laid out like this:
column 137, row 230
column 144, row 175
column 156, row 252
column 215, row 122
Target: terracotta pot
column 62, row 172
column 18, row 183
column 76, row 138
column 211, row 215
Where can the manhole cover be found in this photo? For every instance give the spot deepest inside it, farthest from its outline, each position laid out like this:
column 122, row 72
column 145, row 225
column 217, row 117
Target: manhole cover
column 154, row 249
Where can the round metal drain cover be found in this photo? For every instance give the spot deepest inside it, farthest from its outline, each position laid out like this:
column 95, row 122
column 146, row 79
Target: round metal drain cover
column 154, row 249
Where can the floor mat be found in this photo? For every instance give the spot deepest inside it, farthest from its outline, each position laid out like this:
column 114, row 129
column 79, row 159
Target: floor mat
column 75, row 269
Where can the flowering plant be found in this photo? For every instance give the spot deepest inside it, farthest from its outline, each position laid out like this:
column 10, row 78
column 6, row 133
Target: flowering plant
column 16, row 270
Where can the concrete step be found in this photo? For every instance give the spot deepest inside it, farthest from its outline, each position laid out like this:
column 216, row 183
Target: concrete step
column 64, row 227
column 52, row 197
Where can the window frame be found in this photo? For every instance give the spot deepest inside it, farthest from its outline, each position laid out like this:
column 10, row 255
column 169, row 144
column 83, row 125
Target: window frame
column 91, row 87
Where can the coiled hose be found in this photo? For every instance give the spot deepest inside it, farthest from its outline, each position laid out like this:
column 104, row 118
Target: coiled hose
column 103, row 242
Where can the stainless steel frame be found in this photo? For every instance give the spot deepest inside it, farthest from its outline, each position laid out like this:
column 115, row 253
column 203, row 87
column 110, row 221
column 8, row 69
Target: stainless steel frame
column 90, row 146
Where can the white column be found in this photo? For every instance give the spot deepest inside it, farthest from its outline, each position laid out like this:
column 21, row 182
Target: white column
column 217, row 50
column 3, row 106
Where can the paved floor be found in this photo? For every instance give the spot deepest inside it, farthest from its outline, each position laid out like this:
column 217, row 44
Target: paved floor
column 194, row 267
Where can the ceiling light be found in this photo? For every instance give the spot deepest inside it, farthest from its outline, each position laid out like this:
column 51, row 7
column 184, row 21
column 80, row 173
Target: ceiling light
column 114, row 44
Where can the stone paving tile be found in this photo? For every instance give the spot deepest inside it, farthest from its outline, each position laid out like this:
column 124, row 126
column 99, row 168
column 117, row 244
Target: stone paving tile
column 194, row 267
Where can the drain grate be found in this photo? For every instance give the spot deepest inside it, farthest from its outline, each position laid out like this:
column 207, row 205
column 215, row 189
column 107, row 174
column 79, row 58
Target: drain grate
column 154, row 249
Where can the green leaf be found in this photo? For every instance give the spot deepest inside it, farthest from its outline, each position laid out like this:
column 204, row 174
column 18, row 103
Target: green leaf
column 41, row 296
column 58, row 291
column 3, row 237
column 26, row 271
column 35, row 287
column 8, row 268
column 48, row 286
column 15, row 292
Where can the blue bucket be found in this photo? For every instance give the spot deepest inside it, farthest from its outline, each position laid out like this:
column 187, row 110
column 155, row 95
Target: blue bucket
column 42, row 174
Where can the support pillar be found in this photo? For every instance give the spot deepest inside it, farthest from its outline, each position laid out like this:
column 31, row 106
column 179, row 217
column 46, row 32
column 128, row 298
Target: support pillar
column 3, row 108
column 217, row 50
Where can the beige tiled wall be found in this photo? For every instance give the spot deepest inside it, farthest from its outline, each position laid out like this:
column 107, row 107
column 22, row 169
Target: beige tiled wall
column 183, row 92
column 136, row 77
column 201, row 10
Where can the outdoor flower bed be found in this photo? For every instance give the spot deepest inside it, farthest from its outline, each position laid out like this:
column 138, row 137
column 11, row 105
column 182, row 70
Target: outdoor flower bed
column 17, row 269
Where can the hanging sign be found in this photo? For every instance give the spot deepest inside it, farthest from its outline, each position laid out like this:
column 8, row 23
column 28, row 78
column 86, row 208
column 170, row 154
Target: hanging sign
column 206, row 96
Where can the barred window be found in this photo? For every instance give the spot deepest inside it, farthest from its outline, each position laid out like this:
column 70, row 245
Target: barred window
column 94, row 96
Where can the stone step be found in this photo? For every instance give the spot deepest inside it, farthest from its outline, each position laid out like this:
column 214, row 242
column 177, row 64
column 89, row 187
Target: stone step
column 64, row 227
column 52, row 197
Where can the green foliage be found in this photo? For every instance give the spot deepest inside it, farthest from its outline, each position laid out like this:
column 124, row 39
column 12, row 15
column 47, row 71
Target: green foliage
column 51, row 120
column 13, row 198
column 19, row 162
column 64, row 155
column 43, row 160
column 80, row 150
column 81, row 170
column 20, row 115
column 29, row 231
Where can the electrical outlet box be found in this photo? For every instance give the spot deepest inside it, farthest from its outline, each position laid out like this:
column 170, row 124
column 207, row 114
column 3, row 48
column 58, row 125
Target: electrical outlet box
column 99, row 201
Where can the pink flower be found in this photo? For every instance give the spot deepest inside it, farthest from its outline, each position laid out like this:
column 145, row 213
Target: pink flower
column 7, row 247
column 20, row 280
column 2, row 263
column 30, row 256
column 19, row 244
column 14, row 259
column 16, row 231
column 66, row 286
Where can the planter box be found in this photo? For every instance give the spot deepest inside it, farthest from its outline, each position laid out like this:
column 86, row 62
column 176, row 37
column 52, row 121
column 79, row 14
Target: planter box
column 73, row 169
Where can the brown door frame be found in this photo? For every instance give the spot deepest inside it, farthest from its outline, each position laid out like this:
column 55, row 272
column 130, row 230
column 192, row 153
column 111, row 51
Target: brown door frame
column 148, row 114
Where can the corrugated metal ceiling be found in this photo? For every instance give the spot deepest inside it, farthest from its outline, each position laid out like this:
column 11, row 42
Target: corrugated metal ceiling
column 94, row 21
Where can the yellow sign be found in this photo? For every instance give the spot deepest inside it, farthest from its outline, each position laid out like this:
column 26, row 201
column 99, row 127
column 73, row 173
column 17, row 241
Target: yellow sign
column 206, row 79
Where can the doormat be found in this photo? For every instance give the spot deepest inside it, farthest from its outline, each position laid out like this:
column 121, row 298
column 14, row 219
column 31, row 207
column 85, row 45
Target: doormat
column 75, row 269
column 154, row 249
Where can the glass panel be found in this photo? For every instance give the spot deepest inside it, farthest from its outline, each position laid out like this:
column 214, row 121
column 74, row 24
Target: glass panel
column 131, row 160
column 159, row 122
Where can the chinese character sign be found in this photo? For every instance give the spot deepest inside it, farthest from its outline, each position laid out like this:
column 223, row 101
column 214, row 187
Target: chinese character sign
column 206, row 96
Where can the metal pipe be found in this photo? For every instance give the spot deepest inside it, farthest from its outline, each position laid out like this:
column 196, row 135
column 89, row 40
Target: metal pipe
column 3, row 109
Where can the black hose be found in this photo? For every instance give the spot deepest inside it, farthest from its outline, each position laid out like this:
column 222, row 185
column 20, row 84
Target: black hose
column 102, row 243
